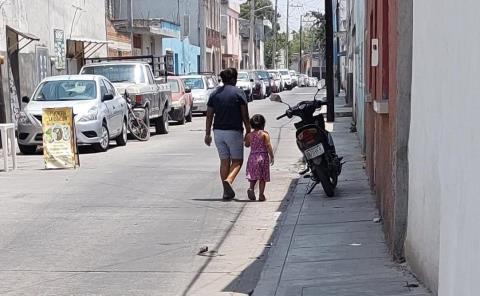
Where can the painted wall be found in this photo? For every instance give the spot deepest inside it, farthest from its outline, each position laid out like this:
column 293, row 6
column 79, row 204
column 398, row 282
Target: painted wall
column 187, row 54
column 40, row 18
column 444, row 146
column 359, row 74
column 168, row 10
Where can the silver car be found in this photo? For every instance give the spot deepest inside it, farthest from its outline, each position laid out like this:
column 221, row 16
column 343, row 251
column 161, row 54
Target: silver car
column 202, row 86
column 100, row 111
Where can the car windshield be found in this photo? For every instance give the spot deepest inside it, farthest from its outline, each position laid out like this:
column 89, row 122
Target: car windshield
column 117, row 73
column 194, row 83
column 243, row 76
column 284, row 72
column 263, row 74
column 174, row 87
column 273, row 74
column 66, row 90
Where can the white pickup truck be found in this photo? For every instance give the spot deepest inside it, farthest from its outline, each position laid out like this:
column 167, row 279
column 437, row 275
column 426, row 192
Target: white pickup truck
column 136, row 78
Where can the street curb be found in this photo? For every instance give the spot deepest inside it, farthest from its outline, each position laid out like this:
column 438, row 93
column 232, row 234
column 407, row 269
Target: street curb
column 272, row 272
column 344, row 114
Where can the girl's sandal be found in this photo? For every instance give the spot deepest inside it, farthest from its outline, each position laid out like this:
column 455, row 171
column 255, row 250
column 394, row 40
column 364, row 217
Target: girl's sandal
column 251, row 194
column 262, row 198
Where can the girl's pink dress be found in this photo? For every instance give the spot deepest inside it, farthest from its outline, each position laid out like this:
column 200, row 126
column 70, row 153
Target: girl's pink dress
column 258, row 165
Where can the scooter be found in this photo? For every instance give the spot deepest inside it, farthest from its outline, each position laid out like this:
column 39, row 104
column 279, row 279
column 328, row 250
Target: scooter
column 316, row 144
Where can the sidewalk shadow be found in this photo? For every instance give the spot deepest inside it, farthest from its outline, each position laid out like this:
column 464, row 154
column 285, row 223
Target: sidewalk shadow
column 247, row 280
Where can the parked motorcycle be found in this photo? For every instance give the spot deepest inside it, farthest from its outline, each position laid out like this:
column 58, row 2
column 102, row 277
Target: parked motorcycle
column 315, row 143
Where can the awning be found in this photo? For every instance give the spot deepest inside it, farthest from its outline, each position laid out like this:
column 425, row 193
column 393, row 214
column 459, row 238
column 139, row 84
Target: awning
column 24, row 36
column 90, row 46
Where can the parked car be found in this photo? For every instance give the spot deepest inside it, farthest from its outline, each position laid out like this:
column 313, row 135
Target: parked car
column 267, row 80
column 287, row 79
column 202, row 86
column 182, row 100
column 246, row 83
column 294, row 76
column 100, row 111
column 302, row 80
column 259, row 89
column 277, row 80
column 136, row 77
column 208, row 75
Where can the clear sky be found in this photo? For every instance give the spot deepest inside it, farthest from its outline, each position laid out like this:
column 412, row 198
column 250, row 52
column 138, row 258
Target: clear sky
column 295, row 12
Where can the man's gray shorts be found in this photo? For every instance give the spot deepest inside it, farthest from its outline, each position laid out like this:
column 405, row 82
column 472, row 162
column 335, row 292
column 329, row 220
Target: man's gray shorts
column 229, row 144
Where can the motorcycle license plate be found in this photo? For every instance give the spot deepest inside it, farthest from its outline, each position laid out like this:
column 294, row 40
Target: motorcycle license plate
column 314, row 151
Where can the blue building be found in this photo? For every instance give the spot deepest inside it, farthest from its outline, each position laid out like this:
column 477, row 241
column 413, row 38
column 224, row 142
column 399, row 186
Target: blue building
column 186, row 56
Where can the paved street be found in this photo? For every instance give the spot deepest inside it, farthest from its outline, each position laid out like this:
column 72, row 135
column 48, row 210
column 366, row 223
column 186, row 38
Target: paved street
column 132, row 220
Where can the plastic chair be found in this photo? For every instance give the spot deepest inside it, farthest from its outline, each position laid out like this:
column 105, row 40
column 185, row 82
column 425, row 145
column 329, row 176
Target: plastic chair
column 7, row 130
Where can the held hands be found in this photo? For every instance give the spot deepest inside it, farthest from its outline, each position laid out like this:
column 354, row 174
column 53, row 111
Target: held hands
column 208, row 140
column 246, row 140
column 272, row 161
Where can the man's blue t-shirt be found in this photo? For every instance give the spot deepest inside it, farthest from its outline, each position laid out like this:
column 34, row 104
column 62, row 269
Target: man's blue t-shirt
column 226, row 101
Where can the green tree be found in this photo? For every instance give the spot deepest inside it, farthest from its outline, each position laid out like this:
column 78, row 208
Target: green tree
column 318, row 29
column 267, row 13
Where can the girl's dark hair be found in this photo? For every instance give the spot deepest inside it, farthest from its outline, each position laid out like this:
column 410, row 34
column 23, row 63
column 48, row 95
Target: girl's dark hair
column 257, row 121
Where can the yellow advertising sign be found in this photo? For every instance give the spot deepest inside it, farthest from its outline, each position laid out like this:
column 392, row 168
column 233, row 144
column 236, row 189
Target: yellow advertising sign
column 59, row 139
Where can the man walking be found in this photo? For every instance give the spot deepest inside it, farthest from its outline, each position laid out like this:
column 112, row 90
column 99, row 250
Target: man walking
column 228, row 110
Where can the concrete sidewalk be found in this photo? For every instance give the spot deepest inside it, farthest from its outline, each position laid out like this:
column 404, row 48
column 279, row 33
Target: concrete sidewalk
column 332, row 246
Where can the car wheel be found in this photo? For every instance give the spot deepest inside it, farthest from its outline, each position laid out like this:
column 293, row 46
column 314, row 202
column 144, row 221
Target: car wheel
column 27, row 149
column 182, row 118
column 161, row 123
column 122, row 138
column 102, row 146
column 190, row 115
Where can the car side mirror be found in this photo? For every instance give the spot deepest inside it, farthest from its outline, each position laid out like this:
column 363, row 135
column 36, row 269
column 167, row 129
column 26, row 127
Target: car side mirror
column 188, row 90
column 107, row 97
column 25, row 99
column 252, row 80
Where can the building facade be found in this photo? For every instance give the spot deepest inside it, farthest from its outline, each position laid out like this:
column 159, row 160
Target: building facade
column 157, row 28
column 259, row 42
column 54, row 42
column 210, row 23
column 231, row 41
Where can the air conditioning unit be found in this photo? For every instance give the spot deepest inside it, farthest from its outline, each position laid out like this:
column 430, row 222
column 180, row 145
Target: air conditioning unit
column 374, row 56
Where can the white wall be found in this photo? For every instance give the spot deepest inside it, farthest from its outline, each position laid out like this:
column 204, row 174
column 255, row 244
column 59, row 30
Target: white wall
column 40, row 17
column 444, row 148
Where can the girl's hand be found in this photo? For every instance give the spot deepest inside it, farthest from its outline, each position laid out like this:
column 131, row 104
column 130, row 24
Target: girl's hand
column 247, row 140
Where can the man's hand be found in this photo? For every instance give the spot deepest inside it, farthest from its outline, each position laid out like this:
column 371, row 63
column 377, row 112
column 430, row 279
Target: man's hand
column 208, row 140
column 272, row 161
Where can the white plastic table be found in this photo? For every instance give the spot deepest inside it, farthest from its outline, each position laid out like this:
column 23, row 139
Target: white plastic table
column 7, row 130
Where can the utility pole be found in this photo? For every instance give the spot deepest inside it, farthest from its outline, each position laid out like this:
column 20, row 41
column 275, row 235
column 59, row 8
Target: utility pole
column 330, row 83
column 203, row 38
column 339, row 77
column 251, row 41
column 288, row 35
column 300, row 63
column 275, row 34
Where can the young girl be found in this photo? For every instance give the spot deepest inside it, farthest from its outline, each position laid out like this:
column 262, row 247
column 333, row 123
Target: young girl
column 261, row 157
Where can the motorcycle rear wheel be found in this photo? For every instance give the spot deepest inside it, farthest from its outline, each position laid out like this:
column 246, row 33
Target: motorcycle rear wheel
column 324, row 179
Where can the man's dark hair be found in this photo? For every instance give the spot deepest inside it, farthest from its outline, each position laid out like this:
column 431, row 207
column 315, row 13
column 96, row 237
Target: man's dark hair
column 229, row 76
column 257, row 122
